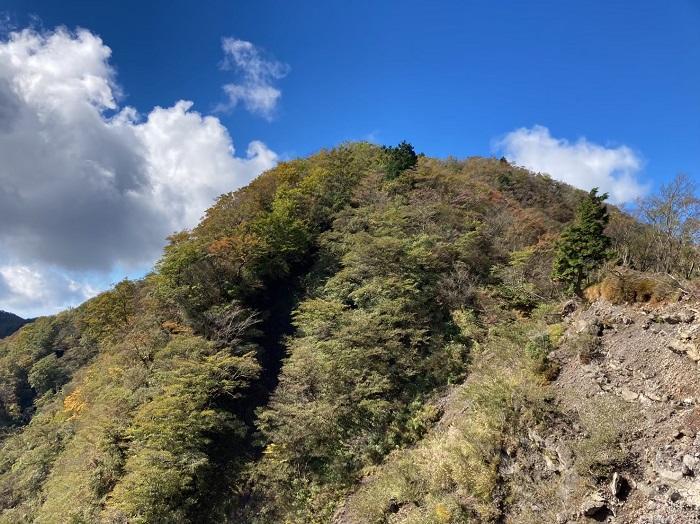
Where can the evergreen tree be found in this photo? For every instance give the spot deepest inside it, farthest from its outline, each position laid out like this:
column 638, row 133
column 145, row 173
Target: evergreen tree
column 399, row 159
column 583, row 245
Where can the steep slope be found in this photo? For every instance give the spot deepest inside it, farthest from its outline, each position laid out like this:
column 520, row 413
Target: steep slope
column 614, row 438
column 636, row 391
column 9, row 323
column 284, row 347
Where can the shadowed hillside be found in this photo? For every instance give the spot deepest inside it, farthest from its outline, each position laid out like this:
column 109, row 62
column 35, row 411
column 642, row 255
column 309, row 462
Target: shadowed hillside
column 9, row 323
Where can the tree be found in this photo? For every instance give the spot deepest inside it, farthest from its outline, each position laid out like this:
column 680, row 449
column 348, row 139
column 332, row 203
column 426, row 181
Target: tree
column 47, row 374
column 583, row 245
column 674, row 216
column 399, row 159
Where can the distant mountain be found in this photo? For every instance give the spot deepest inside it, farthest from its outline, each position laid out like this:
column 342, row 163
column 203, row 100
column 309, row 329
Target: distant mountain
column 9, row 323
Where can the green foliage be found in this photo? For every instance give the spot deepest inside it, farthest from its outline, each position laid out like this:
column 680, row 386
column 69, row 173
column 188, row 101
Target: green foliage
column 365, row 274
column 583, row 245
column 108, row 314
column 513, row 285
column 47, row 374
column 167, row 465
column 398, row 159
column 452, row 476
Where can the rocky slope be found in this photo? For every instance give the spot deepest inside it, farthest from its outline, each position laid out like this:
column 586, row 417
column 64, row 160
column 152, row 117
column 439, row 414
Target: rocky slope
column 642, row 369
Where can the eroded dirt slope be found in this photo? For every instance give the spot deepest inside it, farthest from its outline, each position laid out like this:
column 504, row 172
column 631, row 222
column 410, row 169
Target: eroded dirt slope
column 624, row 442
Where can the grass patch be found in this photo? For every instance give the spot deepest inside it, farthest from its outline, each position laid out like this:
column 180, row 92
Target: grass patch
column 631, row 286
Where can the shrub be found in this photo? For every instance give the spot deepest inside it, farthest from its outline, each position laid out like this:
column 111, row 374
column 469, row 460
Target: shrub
column 605, row 420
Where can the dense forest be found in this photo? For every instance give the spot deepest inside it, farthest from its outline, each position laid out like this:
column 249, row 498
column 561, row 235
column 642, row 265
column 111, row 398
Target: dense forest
column 299, row 340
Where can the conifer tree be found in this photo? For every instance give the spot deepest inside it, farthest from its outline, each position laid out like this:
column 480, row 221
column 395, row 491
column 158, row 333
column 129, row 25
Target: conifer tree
column 399, row 159
column 583, row 245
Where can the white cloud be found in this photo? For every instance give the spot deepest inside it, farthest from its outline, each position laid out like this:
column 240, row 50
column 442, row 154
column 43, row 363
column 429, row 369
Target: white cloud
column 582, row 164
column 256, row 90
column 28, row 290
column 87, row 185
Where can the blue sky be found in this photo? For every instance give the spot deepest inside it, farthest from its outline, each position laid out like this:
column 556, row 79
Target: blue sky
column 607, row 81
column 448, row 76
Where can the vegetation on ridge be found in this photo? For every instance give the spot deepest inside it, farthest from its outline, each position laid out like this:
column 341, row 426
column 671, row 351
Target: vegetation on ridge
column 299, row 336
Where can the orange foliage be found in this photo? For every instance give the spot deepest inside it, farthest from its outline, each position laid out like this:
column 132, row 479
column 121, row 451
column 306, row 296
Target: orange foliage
column 74, row 403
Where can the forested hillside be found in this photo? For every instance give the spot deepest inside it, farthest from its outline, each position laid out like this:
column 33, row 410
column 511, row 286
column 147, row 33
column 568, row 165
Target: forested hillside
column 9, row 323
column 313, row 324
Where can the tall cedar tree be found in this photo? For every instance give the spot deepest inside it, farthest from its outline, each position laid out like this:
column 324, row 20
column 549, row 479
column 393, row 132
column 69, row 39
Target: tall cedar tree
column 583, row 245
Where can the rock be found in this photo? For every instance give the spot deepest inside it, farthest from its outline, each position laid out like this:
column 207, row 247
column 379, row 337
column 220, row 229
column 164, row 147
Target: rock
column 620, row 487
column 568, row 308
column 686, row 432
column 684, row 347
column 551, row 461
column 653, row 396
column 691, row 462
column 591, row 327
column 684, row 316
column 566, row 457
column 562, row 518
column 595, row 506
column 669, row 474
column 675, row 496
column 628, row 395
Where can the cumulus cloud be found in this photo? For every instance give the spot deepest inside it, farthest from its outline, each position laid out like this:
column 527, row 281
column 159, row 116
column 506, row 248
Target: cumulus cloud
column 582, row 163
column 87, row 185
column 256, row 89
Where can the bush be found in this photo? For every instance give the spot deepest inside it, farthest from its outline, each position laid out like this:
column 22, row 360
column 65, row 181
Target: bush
column 452, row 475
column 605, row 421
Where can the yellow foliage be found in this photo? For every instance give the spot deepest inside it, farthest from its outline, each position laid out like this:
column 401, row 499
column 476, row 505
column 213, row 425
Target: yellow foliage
column 442, row 513
column 74, row 403
column 556, row 332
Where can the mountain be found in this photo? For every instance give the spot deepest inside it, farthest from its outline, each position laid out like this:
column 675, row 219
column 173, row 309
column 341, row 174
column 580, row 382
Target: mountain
column 9, row 323
column 363, row 335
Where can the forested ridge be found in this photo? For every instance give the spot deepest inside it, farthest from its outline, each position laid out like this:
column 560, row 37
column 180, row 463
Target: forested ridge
column 304, row 332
